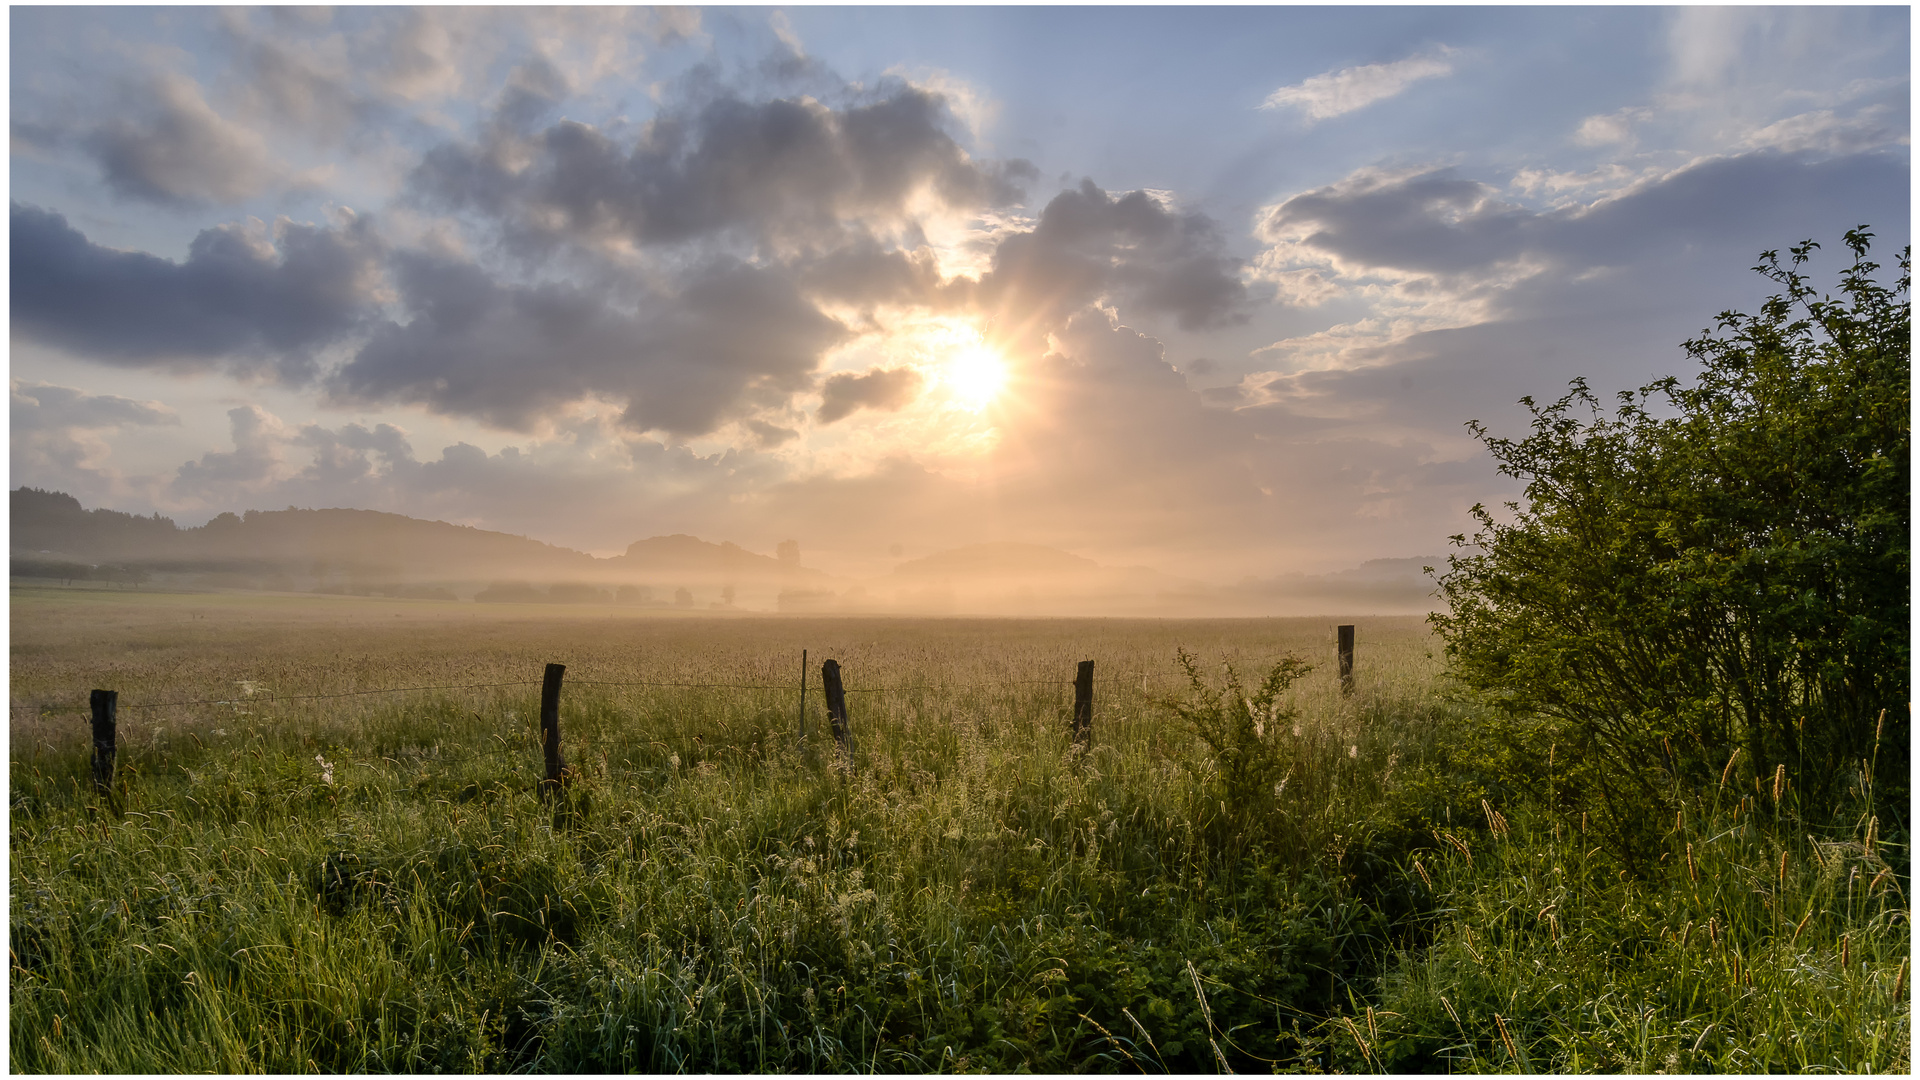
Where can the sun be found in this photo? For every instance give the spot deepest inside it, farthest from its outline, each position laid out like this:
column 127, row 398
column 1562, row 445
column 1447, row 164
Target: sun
column 974, row 374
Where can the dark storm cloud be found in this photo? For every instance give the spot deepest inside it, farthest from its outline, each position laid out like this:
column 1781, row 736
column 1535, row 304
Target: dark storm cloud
column 885, row 389
column 733, row 336
column 1089, row 245
column 1441, row 224
column 239, row 302
column 785, row 167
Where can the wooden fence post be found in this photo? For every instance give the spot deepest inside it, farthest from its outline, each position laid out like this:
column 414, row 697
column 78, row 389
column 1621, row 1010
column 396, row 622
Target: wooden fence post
column 837, row 708
column 550, row 731
column 803, row 697
column 1083, row 705
column 1346, row 659
column 106, row 704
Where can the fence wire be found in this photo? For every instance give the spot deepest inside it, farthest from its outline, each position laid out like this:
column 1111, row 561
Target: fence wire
column 810, row 687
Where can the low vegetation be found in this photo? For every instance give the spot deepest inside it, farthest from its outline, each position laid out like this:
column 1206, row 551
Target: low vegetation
column 372, row 883
column 1640, row 804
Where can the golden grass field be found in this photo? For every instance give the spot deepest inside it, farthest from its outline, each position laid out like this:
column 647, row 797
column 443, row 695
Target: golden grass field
column 156, row 647
column 293, row 874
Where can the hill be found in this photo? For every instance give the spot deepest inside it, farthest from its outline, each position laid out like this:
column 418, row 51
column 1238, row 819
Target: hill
column 370, row 552
column 373, row 552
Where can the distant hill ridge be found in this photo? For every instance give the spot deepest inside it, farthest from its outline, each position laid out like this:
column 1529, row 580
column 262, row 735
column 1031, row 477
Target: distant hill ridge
column 369, row 541
column 690, row 554
column 372, row 552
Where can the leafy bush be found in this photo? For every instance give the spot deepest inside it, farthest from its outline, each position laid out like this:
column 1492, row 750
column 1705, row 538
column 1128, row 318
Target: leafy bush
column 1246, row 732
column 1718, row 568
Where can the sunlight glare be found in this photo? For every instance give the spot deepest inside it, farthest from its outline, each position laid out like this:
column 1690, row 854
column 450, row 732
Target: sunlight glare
column 974, row 374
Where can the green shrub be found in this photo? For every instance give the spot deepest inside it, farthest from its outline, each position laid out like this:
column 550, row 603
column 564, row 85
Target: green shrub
column 1248, row 734
column 1717, row 566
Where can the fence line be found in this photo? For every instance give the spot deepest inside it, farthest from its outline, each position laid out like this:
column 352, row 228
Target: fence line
column 47, row 710
column 105, row 704
column 258, row 698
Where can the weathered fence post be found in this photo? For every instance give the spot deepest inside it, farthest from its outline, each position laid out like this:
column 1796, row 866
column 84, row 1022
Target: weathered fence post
column 1346, row 659
column 1083, row 705
column 803, row 697
column 837, row 708
column 550, row 731
column 106, row 704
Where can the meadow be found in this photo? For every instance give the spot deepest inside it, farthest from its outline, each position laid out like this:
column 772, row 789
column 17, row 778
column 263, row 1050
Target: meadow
column 1247, row 870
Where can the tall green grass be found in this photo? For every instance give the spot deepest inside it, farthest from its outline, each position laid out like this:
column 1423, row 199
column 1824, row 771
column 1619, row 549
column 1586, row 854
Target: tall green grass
column 374, row 884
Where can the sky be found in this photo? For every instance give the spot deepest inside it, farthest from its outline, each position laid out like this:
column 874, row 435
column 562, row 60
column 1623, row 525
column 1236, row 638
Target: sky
column 1214, row 290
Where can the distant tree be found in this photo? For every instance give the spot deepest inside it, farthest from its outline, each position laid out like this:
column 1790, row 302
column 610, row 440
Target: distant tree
column 509, row 592
column 576, row 593
column 130, row 573
column 67, row 572
column 1718, row 566
column 726, row 595
column 682, row 598
column 788, row 552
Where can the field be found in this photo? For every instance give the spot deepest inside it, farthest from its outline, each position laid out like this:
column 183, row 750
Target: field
column 371, row 882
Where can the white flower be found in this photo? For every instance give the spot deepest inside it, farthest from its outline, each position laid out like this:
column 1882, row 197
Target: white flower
column 326, row 770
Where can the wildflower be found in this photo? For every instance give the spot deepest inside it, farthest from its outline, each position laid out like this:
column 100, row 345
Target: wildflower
column 326, row 770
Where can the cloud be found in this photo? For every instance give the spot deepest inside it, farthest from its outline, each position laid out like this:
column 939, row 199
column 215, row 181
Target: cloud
column 1476, row 300
column 228, row 477
column 1337, row 93
column 1089, row 246
column 767, row 436
column 886, row 389
column 1428, row 220
column 341, row 457
column 731, row 336
column 1825, row 132
column 1439, row 236
column 433, row 54
column 1611, row 128
column 250, row 301
column 782, row 169
column 58, row 434
column 173, row 149
column 291, row 86
column 1295, row 286
column 46, row 407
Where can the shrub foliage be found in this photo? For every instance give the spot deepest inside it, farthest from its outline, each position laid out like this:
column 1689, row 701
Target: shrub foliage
column 1716, row 568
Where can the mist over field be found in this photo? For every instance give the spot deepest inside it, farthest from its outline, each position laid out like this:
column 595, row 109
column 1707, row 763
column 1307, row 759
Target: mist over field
column 369, row 553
